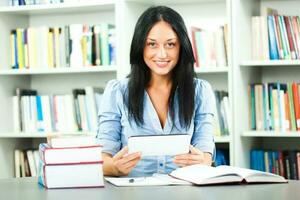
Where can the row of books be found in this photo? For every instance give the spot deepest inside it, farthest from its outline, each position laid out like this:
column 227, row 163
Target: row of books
column 222, row 113
column 274, row 106
column 222, row 157
column 70, row 112
column 35, row 2
column 75, row 45
column 210, row 46
column 283, row 163
column 26, row 162
column 275, row 37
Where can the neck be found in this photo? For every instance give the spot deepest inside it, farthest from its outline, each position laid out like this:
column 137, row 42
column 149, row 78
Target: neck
column 160, row 81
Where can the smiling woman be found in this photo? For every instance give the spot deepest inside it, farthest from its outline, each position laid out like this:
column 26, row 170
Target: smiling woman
column 161, row 52
column 160, row 96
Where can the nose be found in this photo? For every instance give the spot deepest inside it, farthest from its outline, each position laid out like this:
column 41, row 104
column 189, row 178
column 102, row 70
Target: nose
column 162, row 52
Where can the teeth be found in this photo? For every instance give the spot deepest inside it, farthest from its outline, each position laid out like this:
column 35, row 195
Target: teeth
column 161, row 63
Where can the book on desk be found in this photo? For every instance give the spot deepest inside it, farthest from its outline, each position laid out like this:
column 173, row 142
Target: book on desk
column 71, row 167
column 201, row 175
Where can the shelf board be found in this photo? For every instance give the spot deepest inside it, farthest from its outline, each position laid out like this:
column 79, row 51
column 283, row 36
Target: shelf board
column 40, row 135
column 211, row 70
column 270, row 63
column 63, row 70
column 176, row 1
column 84, row 6
column 271, row 134
column 222, row 139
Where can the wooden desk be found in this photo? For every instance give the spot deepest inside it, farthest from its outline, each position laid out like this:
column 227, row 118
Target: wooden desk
column 28, row 189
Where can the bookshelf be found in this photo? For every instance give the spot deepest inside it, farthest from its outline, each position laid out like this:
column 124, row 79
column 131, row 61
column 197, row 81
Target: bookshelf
column 246, row 71
column 203, row 13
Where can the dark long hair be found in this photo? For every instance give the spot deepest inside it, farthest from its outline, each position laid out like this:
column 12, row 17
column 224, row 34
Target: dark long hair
column 182, row 74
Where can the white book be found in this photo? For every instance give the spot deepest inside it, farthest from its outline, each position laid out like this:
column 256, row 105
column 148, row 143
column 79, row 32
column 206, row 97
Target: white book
column 205, row 175
column 220, row 47
column 76, row 56
column 62, row 48
column 43, row 48
column 71, row 140
column 69, row 155
column 72, row 176
column 32, row 166
column 16, row 114
column 92, row 110
column 227, row 111
column 33, row 114
column 70, row 113
column 17, row 163
column 282, row 111
column 22, row 163
column 83, row 112
column 36, row 157
column 46, row 113
column 216, row 119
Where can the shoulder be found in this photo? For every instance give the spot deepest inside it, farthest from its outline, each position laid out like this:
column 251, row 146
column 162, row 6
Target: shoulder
column 116, row 86
column 202, row 87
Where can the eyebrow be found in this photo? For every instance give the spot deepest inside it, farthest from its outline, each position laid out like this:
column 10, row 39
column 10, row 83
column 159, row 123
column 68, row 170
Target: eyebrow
column 167, row 39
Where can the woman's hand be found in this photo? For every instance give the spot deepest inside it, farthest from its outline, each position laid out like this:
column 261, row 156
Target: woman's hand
column 194, row 157
column 124, row 162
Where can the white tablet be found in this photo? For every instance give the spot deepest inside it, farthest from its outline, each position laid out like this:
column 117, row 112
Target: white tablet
column 159, row 145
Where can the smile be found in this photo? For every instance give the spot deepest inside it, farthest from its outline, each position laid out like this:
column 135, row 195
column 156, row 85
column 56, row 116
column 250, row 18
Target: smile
column 162, row 63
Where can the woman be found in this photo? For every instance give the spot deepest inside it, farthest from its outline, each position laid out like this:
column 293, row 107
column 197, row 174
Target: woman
column 161, row 96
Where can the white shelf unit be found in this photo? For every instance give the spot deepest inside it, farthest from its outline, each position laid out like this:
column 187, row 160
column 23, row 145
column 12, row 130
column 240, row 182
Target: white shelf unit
column 223, row 139
column 60, row 80
column 246, row 71
column 211, row 70
column 122, row 13
column 65, row 70
column 40, row 135
column 271, row 134
column 271, row 63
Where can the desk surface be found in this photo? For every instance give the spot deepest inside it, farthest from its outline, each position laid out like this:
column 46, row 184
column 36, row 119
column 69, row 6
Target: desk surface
column 28, row 189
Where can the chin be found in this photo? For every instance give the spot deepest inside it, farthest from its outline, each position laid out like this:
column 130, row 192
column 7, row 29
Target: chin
column 162, row 72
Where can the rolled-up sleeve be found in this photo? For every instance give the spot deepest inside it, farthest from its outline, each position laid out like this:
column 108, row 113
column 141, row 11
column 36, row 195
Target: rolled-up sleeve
column 204, row 118
column 109, row 116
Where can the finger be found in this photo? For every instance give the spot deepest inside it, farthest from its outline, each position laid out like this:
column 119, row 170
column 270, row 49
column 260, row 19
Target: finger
column 121, row 153
column 186, row 162
column 130, row 157
column 131, row 164
column 126, row 167
column 190, row 157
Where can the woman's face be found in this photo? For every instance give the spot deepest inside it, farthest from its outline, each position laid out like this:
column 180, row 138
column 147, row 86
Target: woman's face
column 161, row 51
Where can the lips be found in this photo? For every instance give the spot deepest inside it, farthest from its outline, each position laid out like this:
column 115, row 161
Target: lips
column 161, row 63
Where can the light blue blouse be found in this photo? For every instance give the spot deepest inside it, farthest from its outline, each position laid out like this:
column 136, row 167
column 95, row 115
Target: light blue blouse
column 114, row 127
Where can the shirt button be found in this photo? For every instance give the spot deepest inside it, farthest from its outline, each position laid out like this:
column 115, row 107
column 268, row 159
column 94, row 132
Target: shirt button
column 160, row 164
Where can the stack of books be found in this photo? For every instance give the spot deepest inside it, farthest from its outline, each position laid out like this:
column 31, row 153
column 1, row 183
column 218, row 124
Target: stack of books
column 70, row 162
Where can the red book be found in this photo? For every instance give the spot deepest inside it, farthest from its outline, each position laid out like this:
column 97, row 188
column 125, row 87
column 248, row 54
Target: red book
column 290, row 37
column 296, row 104
column 193, row 30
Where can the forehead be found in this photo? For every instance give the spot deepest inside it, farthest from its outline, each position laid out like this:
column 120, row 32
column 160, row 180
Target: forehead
column 162, row 30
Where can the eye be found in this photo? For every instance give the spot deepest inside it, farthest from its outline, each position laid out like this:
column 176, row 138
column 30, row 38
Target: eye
column 151, row 44
column 170, row 45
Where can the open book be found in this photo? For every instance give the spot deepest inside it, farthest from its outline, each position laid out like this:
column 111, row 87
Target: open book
column 205, row 175
column 201, row 175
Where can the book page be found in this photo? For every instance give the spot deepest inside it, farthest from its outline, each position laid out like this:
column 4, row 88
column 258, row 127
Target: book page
column 253, row 175
column 203, row 174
